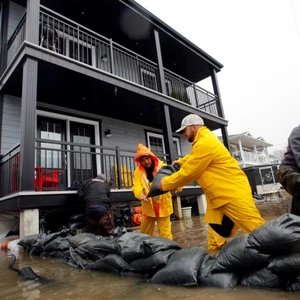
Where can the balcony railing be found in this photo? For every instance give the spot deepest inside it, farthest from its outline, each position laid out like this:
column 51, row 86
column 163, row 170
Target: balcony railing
column 59, row 165
column 68, row 38
column 250, row 157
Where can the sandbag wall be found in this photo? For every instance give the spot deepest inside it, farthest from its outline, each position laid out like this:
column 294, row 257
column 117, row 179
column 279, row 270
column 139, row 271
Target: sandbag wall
column 269, row 257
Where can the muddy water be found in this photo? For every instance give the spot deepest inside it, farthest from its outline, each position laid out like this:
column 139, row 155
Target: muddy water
column 73, row 283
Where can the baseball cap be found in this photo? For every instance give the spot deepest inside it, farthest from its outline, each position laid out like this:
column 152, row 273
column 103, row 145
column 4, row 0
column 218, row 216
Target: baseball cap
column 189, row 120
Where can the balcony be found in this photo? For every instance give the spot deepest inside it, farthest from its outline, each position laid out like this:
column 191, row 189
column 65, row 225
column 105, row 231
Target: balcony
column 66, row 38
column 250, row 158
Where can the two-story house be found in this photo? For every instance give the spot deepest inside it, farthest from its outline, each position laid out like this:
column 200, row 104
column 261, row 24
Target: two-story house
column 81, row 84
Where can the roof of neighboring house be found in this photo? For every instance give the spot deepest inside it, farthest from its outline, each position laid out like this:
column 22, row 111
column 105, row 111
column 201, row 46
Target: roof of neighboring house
column 248, row 140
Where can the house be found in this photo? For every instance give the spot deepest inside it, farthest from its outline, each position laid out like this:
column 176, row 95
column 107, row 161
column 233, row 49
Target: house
column 253, row 157
column 81, row 84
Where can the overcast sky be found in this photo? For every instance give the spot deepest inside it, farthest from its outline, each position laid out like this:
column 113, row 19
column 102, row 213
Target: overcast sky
column 258, row 42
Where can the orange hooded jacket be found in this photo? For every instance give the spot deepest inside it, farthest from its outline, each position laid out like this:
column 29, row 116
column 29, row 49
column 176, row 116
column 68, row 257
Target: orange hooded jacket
column 159, row 206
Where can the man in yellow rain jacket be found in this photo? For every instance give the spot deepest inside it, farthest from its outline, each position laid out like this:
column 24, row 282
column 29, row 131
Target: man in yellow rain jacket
column 157, row 208
column 226, row 187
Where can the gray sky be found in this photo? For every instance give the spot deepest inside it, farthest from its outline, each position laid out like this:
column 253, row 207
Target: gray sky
column 258, row 42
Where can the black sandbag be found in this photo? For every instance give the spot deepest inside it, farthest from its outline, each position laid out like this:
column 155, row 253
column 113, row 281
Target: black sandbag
column 154, row 261
column 28, row 241
column 223, row 280
column 116, row 261
column 58, row 244
column 96, row 249
column 234, row 256
column 41, row 241
column 182, row 268
column 85, row 264
column 161, row 173
column 76, row 218
column 82, row 238
column 279, row 236
column 134, row 245
column 294, row 284
column 285, row 264
column 264, row 278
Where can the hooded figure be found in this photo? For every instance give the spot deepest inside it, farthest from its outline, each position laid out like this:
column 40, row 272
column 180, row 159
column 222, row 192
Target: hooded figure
column 158, row 208
column 95, row 193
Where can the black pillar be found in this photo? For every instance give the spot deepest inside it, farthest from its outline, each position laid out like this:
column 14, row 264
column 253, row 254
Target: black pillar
column 32, row 21
column 3, row 35
column 28, row 124
column 165, row 112
column 220, row 107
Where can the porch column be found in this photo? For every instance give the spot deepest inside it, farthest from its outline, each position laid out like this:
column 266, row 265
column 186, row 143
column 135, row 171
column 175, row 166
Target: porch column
column 29, row 222
column 3, row 35
column 177, row 207
column 241, row 151
column 165, row 113
column 201, row 201
column 256, row 154
column 32, row 21
column 28, row 124
column 220, row 107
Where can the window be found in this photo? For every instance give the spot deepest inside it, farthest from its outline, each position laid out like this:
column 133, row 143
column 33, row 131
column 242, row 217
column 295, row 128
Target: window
column 156, row 144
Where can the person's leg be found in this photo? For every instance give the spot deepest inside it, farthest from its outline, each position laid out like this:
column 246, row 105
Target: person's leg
column 147, row 225
column 164, row 227
column 244, row 213
column 107, row 224
column 214, row 240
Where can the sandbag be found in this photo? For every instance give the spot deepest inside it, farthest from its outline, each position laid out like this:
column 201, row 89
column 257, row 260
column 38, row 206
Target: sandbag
column 28, row 241
column 116, row 264
column 161, row 173
column 263, row 278
column 59, row 244
column 154, row 261
column 182, row 268
column 234, row 256
column 285, row 264
column 82, row 238
column 223, row 280
column 134, row 245
column 294, row 284
column 279, row 236
column 85, row 264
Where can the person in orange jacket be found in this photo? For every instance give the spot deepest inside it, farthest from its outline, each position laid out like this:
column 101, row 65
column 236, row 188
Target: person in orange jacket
column 230, row 204
column 158, row 208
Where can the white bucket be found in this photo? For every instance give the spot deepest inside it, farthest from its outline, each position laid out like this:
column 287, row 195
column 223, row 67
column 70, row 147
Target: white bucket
column 187, row 212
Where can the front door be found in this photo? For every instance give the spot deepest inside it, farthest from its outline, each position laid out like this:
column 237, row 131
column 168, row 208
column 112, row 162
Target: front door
column 82, row 158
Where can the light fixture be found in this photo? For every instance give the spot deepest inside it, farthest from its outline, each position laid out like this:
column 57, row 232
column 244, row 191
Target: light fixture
column 108, row 133
column 104, row 58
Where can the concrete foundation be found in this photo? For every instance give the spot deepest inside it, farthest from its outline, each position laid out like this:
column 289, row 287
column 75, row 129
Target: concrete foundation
column 29, row 222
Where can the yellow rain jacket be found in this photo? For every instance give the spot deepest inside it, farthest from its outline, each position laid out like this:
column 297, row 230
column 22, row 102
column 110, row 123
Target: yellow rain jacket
column 216, row 171
column 159, row 206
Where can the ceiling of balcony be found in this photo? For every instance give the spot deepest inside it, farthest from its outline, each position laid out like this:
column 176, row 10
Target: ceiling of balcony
column 134, row 29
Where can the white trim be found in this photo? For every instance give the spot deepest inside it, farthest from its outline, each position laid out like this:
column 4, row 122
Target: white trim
column 69, row 119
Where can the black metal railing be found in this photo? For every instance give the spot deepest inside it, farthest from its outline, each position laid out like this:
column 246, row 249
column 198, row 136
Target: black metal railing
column 61, row 166
column 68, row 38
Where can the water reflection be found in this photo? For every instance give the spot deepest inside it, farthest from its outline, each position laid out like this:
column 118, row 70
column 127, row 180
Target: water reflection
column 73, row 283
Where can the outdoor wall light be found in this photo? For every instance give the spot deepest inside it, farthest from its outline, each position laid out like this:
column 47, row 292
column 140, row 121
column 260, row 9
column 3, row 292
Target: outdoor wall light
column 108, row 133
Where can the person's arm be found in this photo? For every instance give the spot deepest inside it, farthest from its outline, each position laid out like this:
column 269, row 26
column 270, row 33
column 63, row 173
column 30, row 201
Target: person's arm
column 196, row 163
column 294, row 142
column 138, row 187
column 80, row 190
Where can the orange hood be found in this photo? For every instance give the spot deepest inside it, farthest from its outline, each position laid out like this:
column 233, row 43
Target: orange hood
column 143, row 150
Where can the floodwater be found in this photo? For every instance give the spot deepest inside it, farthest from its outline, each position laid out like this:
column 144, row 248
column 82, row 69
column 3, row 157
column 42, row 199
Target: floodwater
column 74, row 283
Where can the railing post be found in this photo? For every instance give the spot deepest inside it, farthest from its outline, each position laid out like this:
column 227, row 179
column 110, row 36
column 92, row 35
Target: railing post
column 111, row 49
column 196, row 97
column 118, row 160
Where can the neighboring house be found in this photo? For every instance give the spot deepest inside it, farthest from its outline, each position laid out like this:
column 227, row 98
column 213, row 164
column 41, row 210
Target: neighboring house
column 253, row 157
column 81, row 84
column 248, row 150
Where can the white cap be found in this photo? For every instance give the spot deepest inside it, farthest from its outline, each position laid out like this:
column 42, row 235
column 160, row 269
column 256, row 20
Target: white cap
column 189, row 120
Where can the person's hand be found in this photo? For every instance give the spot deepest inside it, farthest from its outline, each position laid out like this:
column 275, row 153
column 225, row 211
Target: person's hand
column 175, row 162
column 176, row 191
column 144, row 198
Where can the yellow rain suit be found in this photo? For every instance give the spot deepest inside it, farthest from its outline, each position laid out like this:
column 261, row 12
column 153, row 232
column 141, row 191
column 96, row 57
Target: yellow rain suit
column 225, row 185
column 157, row 208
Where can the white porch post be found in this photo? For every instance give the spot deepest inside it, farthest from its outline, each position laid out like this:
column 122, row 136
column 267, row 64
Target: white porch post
column 201, row 201
column 177, row 207
column 29, row 222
